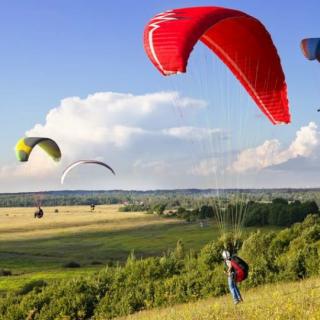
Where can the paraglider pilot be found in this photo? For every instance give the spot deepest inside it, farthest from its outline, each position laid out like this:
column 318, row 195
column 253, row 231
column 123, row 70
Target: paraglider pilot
column 38, row 213
column 234, row 290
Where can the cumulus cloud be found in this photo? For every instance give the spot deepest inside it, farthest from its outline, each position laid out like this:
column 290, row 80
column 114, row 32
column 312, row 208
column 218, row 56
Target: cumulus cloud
column 110, row 118
column 271, row 152
column 193, row 133
column 148, row 144
column 306, row 141
column 158, row 167
column 119, row 128
column 31, row 168
column 205, row 167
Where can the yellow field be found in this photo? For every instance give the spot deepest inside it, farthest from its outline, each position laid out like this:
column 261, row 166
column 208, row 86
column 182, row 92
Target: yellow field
column 285, row 301
column 19, row 223
column 38, row 248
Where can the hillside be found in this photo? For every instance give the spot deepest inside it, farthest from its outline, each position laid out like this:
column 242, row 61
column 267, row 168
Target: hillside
column 293, row 300
column 179, row 276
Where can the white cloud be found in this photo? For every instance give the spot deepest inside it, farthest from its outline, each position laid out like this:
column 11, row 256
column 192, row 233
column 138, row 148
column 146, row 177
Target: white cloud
column 119, row 128
column 193, row 133
column 307, row 139
column 158, row 167
column 109, row 118
column 148, row 145
column 270, row 152
column 38, row 166
column 205, row 167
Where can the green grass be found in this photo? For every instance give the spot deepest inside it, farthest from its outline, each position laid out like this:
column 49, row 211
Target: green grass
column 17, row 282
column 37, row 249
column 104, row 246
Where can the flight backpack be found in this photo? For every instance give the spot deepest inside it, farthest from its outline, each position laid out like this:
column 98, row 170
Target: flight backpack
column 240, row 268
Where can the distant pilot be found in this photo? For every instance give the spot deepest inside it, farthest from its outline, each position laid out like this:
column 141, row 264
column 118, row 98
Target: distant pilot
column 38, row 213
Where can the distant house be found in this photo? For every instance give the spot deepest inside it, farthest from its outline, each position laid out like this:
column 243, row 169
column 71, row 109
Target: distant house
column 169, row 212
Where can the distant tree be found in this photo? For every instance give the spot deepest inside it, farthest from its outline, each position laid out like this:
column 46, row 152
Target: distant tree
column 256, row 215
column 206, row 212
column 278, row 214
column 312, row 207
column 280, row 201
column 181, row 211
column 159, row 208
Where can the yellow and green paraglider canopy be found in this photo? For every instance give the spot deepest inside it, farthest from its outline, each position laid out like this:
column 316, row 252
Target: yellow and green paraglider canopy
column 25, row 146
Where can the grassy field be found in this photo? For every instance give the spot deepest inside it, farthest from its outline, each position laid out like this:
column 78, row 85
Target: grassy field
column 38, row 248
column 283, row 301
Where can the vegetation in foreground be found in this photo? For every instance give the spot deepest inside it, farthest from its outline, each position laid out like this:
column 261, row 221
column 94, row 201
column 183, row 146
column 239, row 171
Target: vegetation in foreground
column 289, row 300
column 177, row 277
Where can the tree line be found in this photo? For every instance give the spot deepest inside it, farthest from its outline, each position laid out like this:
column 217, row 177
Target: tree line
column 187, row 198
column 280, row 212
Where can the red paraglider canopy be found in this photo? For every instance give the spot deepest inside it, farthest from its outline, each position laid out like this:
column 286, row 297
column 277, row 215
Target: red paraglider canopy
column 239, row 40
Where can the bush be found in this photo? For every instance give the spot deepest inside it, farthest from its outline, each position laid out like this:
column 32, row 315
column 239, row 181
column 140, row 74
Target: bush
column 72, row 264
column 255, row 252
column 32, row 285
column 5, row 272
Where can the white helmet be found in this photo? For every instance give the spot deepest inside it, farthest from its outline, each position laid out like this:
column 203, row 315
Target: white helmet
column 225, row 254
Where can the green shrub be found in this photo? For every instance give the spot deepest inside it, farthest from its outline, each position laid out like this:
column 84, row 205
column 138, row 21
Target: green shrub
column 5, row 273
column 72, row 264
column 32, row 285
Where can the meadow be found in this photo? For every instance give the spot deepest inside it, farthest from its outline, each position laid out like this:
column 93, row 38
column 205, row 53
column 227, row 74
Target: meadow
column 39, row 248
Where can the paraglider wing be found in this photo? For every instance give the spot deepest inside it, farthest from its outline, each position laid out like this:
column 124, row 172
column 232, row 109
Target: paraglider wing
column 75, row 164
column 25, row 146
column 239, row 40
column 311, row 48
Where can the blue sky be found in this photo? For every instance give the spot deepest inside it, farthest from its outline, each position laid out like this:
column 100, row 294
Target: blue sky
column 52, row 50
